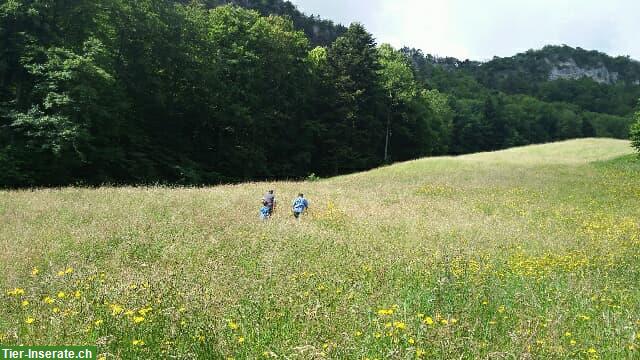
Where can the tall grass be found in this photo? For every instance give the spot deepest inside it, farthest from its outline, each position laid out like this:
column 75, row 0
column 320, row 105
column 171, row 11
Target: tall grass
column 526, row 253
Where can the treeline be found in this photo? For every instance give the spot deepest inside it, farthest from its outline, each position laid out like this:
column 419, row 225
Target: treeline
column 498, row 116
column 148, row 91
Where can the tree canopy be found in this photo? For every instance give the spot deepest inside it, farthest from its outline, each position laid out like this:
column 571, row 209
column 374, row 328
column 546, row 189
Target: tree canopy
column 197, row 92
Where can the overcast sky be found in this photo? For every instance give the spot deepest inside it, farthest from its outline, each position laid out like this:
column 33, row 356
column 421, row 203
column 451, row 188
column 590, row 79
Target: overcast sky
column 478, row 30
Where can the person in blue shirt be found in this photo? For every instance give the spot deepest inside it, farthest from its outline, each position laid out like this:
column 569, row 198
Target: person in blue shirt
column 300, row 205
column 265, row 213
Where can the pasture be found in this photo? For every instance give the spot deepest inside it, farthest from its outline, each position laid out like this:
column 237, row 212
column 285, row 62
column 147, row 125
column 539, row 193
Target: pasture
column 528, row 253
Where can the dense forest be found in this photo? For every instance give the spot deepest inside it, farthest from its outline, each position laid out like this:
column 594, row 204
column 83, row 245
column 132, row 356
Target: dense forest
column 205, row 92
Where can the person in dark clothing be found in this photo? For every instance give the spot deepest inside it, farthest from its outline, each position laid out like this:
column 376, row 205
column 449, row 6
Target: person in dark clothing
column 269, row 200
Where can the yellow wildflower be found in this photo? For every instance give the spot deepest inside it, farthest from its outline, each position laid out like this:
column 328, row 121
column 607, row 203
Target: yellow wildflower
column 592, row 351
column 138, row 319
column 61, row 295
column 411, row 341
column 56, row 310
column 116, row 309
column 77, row 294
column 501, row 309
column 25, row 303
column 383, row 312
column 145, row 311
column 138, row 342
column 29, row 320
column 16, row 292
column 232, row 325
column 69, row 270
column 358, row 333
column 399, row 325
column 98, row 322
column 35, row 271
column 241, row 339
column 48, row 300
column 428, row 320
column 61, row 273
column 567, row 334
column 444, row 322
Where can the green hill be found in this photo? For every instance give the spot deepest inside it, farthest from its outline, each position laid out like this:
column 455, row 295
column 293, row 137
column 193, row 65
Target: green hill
column 464, row 257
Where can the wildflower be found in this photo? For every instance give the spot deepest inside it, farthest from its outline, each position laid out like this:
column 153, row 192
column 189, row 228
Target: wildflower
column 377, row 335
column 98, row 322
column 116, row 309
column 383, row 312
column 592, row 351
column 60, row 273
column 411, row 341
column 572, row 342
column 16, row 292
column 584, row 318
column 138, row 342
column 358, row 333
column 61, row 295
column 48, row 300
column 454, row 321
column 138, row 319
column 501, row 309
column 428, row 320
column 129, row 312
column 77, row 294
column 567, row 334
column 399, row 325
column 182, row 309
column 144, row 311
column 420, row 353
column 232, row 325
column 35, row 271
column 25, row 303
column 69, row 270
column 241, row 339
column 29, row 320
column 56, row 310
column 444, row 322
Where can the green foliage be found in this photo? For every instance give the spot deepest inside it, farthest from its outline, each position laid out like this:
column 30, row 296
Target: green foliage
column 635, row 132
column 203, row 92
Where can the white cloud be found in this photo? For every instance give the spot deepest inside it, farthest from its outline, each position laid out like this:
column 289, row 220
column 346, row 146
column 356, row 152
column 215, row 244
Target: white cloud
column 482, row 29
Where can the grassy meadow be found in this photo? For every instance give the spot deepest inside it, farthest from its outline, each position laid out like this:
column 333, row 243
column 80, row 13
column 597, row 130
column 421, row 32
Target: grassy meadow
column 529, row 253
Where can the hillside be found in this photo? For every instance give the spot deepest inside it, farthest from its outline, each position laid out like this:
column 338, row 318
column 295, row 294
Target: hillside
column 435, row 258
column 592, row 80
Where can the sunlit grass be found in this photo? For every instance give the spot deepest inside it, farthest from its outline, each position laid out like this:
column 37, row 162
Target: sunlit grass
column 482, row 256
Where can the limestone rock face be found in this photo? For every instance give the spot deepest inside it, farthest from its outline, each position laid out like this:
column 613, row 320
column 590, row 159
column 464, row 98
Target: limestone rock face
column 570, row 70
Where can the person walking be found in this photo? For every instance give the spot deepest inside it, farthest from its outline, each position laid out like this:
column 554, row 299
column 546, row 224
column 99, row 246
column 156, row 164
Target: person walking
column 269, row 201
column 300, row 205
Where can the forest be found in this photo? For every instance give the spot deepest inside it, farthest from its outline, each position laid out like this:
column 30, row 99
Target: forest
column 205, row 92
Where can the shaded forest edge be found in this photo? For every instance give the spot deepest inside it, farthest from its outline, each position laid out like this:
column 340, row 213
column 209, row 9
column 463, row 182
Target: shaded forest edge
column 121, row 92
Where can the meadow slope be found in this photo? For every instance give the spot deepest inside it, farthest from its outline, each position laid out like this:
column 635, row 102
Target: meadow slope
column 525, row 253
